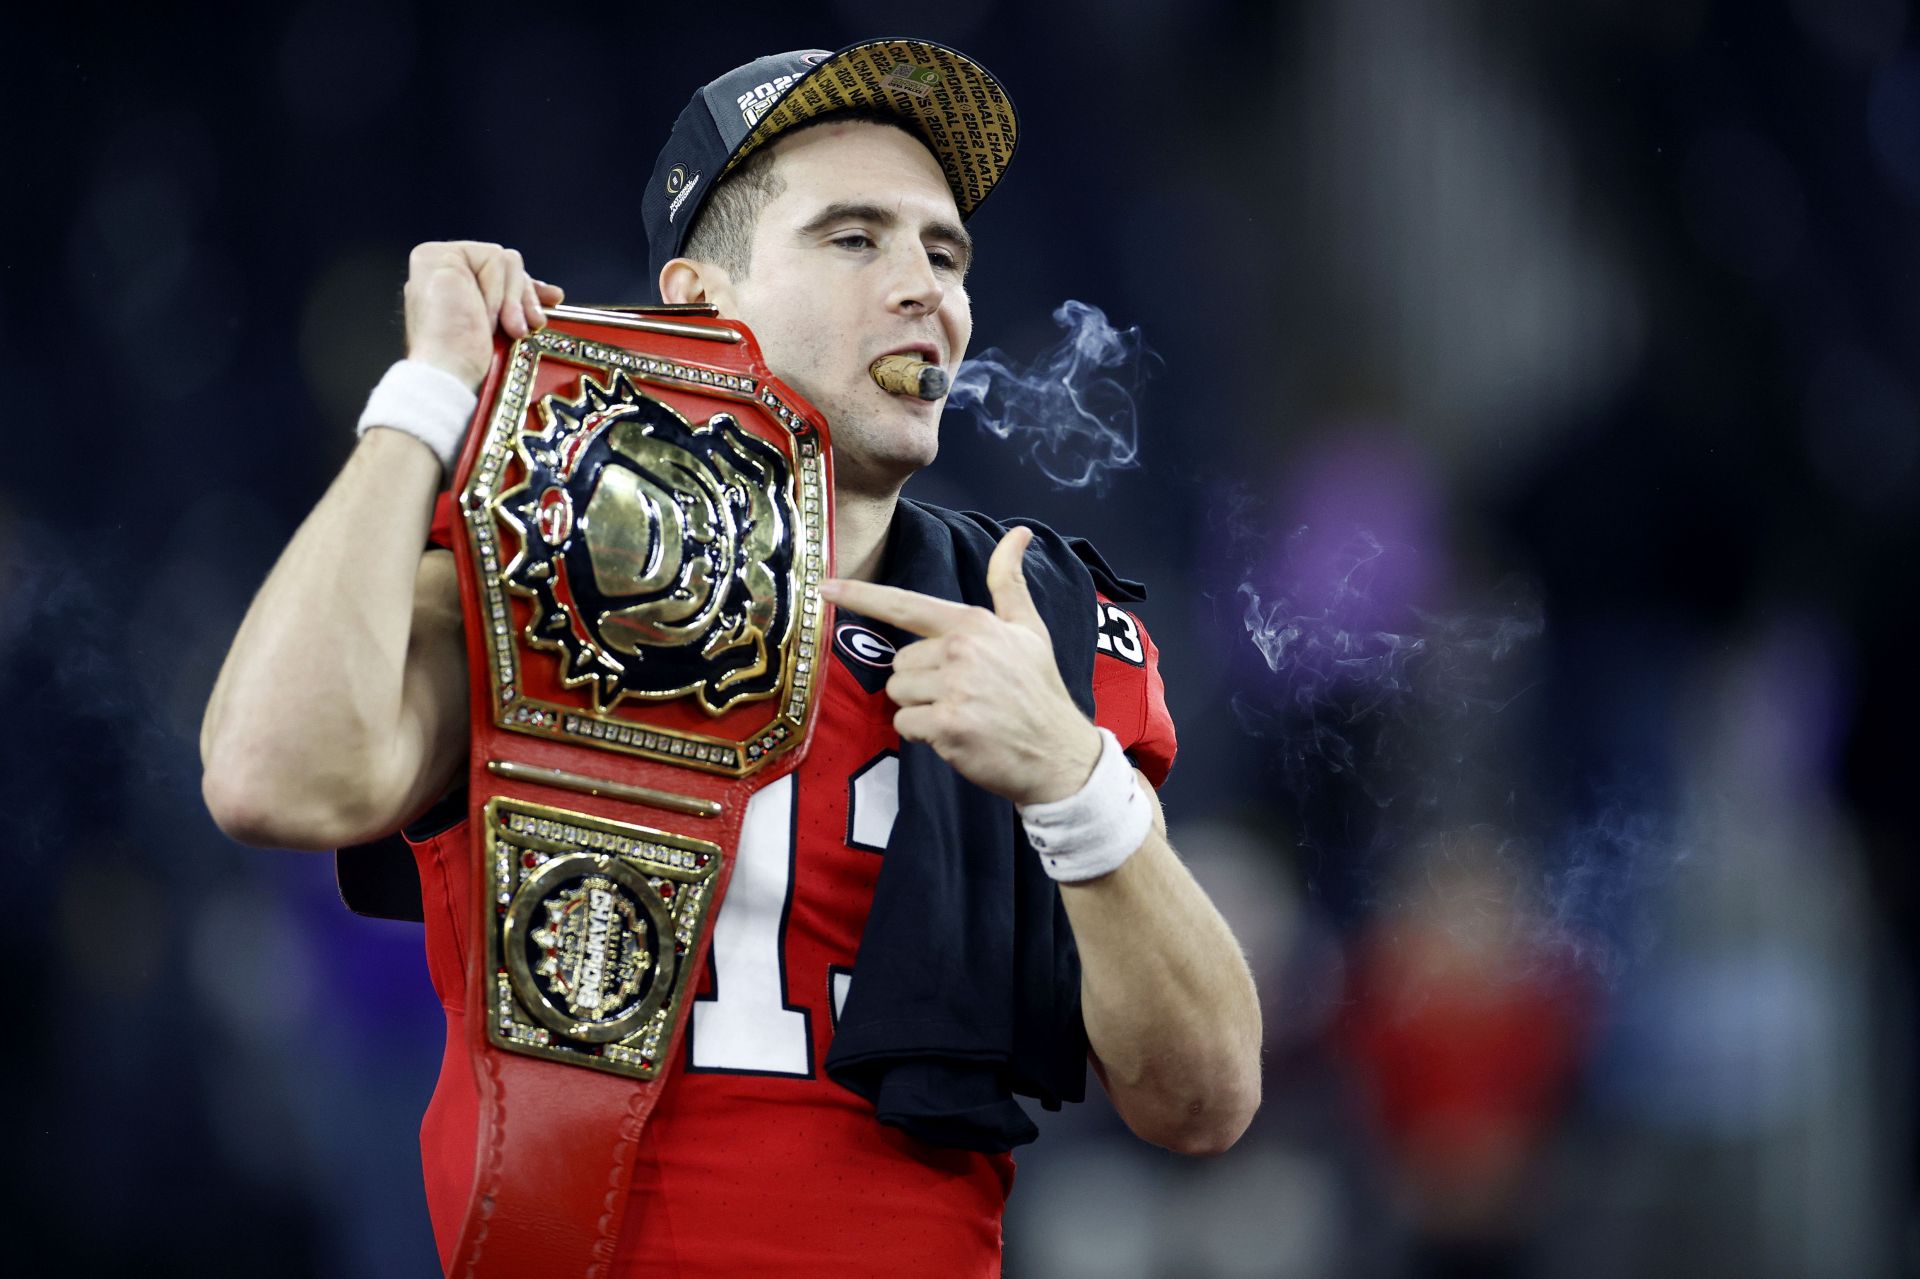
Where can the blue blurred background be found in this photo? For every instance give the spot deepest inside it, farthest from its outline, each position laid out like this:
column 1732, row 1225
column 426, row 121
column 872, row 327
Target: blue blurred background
column 1527, row 484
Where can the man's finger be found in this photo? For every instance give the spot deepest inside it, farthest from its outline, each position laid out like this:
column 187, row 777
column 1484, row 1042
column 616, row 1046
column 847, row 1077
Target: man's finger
column 513, row 296
column 916, row 723
column 530, row 306
column 1008, row 584
column 921, row 655
column 909, row 610
column 914, row 688
column 491, row 276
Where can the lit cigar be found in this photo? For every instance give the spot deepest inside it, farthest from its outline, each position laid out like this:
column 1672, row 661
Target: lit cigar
column 909, row 375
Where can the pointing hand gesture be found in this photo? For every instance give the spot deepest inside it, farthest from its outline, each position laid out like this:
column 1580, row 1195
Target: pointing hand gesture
column 981, row 687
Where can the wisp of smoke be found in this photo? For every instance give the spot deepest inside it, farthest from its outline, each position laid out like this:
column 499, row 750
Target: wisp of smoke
column 1073, row 408
column 1362, row 672
column 1596, row 878
column 1385, row 723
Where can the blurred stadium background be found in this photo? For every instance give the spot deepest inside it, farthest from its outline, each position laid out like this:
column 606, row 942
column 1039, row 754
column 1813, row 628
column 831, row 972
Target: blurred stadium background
column 1539, row 381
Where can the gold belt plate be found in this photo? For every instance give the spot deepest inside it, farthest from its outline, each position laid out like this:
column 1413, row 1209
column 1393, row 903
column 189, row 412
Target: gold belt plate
column 596, row 924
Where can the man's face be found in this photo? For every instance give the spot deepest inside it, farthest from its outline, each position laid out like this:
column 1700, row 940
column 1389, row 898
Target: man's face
column 861, row 254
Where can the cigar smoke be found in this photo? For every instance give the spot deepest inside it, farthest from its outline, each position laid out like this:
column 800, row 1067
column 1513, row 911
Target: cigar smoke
column 1073, row 408
column 1397, row 729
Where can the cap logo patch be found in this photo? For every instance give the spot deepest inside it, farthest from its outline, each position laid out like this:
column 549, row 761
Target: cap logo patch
column 676, row 178
column 919, row 81
column 754, row 102
column 680, row 197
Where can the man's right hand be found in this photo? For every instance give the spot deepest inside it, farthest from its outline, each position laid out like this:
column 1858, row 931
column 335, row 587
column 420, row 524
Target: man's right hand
column 458, row 292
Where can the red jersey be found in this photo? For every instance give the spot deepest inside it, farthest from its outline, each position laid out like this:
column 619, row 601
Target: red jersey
column 754, row 1162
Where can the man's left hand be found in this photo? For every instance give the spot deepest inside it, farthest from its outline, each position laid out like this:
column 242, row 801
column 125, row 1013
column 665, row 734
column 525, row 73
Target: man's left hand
column 982, row 687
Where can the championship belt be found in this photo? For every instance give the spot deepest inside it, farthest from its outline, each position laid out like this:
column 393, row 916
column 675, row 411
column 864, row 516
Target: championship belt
column 647, row 516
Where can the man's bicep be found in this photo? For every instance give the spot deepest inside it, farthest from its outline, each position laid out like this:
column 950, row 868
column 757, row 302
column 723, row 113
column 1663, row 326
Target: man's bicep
column 433, row 731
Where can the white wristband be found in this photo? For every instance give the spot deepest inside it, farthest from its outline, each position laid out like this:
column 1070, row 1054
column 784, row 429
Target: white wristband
column 1091, row 832
column 426, row 402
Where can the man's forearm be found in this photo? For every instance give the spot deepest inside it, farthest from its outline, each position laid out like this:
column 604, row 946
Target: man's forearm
column 1168, row 1000
column 309, row 706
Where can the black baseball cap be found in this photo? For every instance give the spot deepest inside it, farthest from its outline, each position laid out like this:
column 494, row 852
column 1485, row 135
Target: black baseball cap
column 945, row 98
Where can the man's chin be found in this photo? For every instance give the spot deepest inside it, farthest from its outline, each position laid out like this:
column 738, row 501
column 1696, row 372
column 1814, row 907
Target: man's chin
column 880, row 474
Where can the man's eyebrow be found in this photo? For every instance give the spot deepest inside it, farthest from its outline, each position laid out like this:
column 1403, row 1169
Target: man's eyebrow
column 877, row 215
column 955, row 234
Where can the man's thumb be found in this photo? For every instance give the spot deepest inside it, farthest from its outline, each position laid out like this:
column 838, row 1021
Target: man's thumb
column 1008, row 585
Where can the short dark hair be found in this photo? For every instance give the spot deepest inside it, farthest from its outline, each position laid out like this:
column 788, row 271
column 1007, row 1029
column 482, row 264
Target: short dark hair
column 723, row 229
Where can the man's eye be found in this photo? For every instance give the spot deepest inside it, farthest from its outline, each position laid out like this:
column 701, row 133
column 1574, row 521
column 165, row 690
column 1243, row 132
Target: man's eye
column 853, row 240
column 943, row 260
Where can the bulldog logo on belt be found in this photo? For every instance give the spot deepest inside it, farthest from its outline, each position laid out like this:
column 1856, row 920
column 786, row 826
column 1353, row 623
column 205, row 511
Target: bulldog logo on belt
column 658, row 554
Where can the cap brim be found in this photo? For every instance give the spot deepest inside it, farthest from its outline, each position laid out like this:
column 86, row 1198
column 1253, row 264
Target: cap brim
column 953, row 103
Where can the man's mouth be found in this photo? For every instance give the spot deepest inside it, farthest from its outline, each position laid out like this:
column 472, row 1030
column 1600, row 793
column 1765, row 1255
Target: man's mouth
column 920, row 350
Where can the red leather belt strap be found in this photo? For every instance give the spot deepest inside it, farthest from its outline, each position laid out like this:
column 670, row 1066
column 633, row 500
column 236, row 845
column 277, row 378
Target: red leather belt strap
column 647, row 517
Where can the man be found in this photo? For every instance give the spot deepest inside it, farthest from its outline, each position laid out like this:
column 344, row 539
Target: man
column 836, row 236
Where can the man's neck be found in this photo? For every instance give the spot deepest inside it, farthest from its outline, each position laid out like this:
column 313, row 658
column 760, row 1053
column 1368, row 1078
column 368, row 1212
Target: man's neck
column 860, row 524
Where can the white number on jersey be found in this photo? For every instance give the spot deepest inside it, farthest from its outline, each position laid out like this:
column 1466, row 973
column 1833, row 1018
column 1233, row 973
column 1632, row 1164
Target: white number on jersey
column 747, row 1026
column 1118, row 634
column 873, row 802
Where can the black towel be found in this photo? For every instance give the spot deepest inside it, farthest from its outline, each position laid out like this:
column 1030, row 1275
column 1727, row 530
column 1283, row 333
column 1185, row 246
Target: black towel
column 967, row 986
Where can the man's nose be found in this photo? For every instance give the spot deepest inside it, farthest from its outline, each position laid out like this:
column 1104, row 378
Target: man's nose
column 915, row 286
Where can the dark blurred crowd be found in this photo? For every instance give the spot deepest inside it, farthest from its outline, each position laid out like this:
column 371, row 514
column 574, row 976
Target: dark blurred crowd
column 1525, row 480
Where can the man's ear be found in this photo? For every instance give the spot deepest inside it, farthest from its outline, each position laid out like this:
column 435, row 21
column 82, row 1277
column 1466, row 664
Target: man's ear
column 687, row 280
